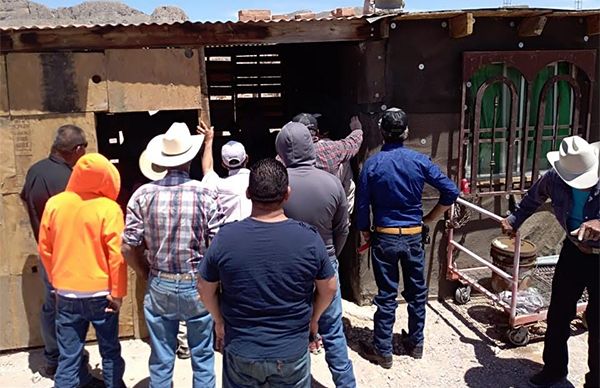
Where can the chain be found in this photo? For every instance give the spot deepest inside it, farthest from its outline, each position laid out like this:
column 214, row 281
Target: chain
column 460, row 217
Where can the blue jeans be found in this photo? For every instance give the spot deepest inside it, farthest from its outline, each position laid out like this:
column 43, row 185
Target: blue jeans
column 165, row 304
column 331, row 329
column 48, row 320
column 243, row 372
column 73, row 319
column 389, row 250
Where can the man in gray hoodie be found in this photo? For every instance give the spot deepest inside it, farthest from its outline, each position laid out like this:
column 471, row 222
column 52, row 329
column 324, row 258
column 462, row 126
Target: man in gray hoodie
column 319, row 199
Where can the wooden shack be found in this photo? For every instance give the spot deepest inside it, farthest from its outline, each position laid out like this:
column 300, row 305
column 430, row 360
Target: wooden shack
column 468, row 80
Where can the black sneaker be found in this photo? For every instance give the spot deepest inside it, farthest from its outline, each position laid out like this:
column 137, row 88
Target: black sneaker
column 546, row 379
column 49, row 371
column 415, row 351
column 94, row 383
column 183, row 353
column 368, row 352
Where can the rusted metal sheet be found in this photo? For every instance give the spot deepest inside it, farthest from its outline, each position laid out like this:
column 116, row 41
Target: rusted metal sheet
column 41, row 83
column 153, row 79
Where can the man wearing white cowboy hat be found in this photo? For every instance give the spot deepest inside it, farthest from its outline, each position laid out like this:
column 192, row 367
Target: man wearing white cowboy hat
column 174, row 218
column 231, row 191
column 574, row 188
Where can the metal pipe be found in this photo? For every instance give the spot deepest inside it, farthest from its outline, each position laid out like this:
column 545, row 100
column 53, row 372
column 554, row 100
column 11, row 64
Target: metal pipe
column 475, row 257
column 515, row 276
column 547, row 260
column 479, row 209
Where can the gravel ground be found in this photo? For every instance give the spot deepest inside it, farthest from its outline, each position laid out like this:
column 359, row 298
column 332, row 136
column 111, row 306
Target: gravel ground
column 463, row 348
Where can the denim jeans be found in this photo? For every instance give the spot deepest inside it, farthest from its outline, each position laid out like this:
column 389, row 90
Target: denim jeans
column 73, row 319
column 389, row 250
column 165, row 304
column 243, row 372
column 331, row 329
column 48, row 320
column 574, row 272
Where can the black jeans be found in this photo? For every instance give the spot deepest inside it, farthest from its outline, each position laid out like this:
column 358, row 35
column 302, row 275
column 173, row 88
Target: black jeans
column 575, row 271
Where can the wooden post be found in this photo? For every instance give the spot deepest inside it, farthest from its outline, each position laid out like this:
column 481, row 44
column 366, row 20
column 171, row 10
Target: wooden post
column 462, row 25
column 533, row 26
column 204, row 113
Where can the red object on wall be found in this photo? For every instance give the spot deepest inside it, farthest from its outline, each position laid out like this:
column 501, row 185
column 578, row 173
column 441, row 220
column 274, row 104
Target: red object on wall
column 465, row 187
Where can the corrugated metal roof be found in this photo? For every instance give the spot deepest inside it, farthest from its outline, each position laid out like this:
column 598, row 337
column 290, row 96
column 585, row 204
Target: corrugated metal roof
column 481, row 12
column 75, row 25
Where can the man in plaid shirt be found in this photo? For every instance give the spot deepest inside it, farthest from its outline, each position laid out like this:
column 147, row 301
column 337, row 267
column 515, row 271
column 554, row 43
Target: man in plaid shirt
column 174, row 218
column 334, row 156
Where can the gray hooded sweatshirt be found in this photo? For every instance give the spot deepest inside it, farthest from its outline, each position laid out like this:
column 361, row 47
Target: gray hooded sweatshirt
column 317, row 196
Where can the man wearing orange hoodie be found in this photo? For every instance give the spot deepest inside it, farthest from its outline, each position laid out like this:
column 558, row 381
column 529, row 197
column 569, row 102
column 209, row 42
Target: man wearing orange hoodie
column 80, row 247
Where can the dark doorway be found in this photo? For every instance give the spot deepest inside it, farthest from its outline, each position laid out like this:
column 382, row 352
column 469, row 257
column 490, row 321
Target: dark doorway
column 123, row 136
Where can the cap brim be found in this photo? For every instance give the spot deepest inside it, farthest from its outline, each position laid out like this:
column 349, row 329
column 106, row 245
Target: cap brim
column 155, row 155
column 578, row 181
column 149, row 169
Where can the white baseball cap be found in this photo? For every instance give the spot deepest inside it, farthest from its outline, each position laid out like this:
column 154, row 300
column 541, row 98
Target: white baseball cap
column 233, row 154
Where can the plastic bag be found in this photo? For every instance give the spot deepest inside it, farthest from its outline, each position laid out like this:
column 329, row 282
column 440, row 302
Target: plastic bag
column 528, row 301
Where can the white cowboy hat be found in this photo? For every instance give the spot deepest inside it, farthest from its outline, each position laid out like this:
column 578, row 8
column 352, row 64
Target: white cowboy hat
column 577, row 162
column 176, row 147
column 149, row 169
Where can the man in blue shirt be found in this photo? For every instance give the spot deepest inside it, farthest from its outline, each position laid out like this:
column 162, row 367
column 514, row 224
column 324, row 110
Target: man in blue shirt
column 574, row 188
column 268, row 266
column 391, row 185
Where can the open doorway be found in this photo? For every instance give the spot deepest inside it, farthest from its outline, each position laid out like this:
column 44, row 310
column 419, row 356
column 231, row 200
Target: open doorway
column 123, row 136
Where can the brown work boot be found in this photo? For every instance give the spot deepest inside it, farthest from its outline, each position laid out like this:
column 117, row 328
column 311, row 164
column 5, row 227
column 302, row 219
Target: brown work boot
column 368, row 352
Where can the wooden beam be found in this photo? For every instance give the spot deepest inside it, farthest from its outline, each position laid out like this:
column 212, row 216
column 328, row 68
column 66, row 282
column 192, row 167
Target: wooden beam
column 532, row 26
column 186, row 35
column 593, row 24
column 462, row 25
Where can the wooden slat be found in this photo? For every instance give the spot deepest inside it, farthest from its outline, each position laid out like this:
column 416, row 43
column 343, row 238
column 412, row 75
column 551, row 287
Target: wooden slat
column 4, row 108
column 533, row 26
column 187, row 34
column 462, row 25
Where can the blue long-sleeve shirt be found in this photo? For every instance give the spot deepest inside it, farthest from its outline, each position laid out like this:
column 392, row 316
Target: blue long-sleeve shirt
column 391, row 183
column 551, row 186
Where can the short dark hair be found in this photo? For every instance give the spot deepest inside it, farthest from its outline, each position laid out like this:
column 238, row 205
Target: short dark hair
column 68, row 137
column 393, row 125
column 268, row 181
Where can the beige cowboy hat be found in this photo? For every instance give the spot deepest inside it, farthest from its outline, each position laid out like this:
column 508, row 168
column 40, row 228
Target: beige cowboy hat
column 577, row 162
column 176, row 147
column 149, row 169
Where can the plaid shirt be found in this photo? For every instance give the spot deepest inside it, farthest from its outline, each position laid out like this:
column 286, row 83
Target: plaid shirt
column 175, row 217
column 332, row 154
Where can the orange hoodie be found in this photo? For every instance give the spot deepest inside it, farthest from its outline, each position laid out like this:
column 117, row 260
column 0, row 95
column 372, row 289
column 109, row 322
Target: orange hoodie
column 80, row 231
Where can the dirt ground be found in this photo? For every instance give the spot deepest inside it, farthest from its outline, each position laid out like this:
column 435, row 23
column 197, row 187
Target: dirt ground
column 463, row 347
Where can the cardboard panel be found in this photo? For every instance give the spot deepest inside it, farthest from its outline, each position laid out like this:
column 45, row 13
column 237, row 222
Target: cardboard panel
column 157, row 79
column 4, row 109
column 21, row 307
column 56, row 83
column 25, row 140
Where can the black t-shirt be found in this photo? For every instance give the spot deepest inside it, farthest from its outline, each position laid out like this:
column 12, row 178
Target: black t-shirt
column 267, row 273
column 44, row 179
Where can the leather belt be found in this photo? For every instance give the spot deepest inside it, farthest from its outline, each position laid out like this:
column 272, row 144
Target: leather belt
column 394, row 230
column 172, row 276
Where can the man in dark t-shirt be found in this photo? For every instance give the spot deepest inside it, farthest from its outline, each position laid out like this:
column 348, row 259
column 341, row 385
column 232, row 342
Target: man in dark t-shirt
column 45, row 179
column 271, row 269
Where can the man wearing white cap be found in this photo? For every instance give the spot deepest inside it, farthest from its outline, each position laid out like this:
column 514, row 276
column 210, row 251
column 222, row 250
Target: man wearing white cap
column 573, row 186
column 231, row 191
column 174, row 218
